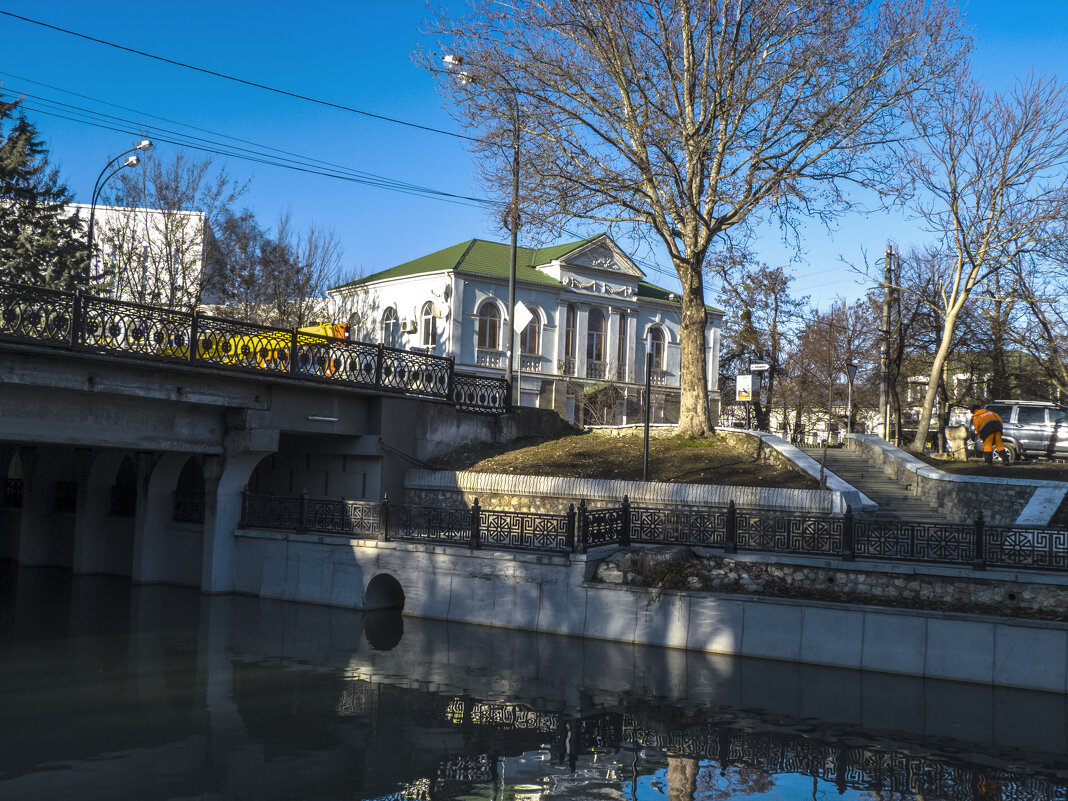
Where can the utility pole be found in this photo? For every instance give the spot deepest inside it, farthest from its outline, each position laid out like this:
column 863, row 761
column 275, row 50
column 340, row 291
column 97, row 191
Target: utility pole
column 884, row 348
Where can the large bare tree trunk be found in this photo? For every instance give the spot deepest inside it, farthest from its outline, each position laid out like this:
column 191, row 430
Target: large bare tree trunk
column 694, row 418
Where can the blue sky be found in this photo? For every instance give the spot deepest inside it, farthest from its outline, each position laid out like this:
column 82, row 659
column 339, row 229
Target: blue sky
column 357, row 53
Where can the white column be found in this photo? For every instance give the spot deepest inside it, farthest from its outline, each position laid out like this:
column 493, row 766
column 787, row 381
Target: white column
column 582, row 323
column 611, row 345
column 560, row 352
column 632, row 344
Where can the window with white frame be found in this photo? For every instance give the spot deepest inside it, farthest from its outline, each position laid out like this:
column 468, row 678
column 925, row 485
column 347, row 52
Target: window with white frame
column 530, row 339
column 489, row 326
column 595, row 336
column 656, row 347
column 391, row 332
column 429, row 328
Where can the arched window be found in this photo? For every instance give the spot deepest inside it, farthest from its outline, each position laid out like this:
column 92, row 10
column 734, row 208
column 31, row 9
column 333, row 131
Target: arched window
column 489, row 326
column 569, row 332
column 530, row 339
column 390, row 328
column 656, row 347
column 429, row 328
column 595, row 337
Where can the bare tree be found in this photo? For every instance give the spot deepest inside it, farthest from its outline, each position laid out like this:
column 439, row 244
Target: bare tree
column 296, row 269
column 684, row 118
column 768, row 318
column 991, row 169
column 159, row 246
column 1043, row 332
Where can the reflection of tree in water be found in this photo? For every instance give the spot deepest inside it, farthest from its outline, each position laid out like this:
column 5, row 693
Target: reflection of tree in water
column 714, row 783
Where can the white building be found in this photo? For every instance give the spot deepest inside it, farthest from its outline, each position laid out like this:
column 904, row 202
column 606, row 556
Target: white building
column 151, row 256
column 594, row 320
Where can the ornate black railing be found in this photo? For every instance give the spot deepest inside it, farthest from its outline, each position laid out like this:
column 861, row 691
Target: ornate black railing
column 975, row 544
column 122, row 328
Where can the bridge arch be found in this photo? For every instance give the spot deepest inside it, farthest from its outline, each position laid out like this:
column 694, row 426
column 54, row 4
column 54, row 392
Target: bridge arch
column 383, row 591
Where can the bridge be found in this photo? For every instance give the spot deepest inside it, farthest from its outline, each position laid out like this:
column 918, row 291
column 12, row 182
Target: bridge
column 185, row 449
column 128, row 433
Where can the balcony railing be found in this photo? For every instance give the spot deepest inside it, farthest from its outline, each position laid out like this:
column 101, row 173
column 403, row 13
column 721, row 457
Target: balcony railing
column 597, row 370
column 531, row 364
column 490, row 358
column 566, row 366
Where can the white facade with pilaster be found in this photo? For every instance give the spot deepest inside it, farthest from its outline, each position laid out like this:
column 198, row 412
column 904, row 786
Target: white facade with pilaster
column 594, row 320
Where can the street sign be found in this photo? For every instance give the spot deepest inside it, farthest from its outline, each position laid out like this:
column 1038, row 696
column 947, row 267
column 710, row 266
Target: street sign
column 744, row 388
column 758, row 367
column 522, row 317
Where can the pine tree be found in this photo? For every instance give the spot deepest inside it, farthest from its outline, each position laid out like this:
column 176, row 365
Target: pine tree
column 41, row 241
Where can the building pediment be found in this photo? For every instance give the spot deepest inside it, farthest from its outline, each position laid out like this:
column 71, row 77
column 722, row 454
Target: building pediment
column 602, row 256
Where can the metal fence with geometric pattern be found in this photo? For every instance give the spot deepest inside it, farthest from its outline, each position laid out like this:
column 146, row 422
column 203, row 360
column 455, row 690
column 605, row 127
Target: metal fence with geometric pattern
column 844, row 537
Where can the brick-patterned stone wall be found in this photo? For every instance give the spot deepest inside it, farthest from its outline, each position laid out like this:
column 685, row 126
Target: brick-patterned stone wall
column 699, row 570
column 553, row 494
column 1000, row 500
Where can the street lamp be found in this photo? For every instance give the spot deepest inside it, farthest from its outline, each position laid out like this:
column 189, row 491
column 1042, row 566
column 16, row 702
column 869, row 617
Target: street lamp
column 851, row 372
column 131, row 161
column 453, row 64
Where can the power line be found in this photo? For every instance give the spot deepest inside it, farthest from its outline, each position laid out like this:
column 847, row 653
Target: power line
column 235, row 79
column 294, row 162
column 301, row 158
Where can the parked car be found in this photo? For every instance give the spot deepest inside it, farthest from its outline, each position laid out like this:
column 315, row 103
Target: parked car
column 1031, row 429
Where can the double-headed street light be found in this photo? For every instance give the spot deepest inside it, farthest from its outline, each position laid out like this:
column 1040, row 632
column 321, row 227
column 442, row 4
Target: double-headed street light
column 130, row 161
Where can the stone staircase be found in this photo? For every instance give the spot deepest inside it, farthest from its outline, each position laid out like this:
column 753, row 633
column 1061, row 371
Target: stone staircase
column 896, row 502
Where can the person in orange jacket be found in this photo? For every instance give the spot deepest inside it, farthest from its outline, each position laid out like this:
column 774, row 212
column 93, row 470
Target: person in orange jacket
column 987, row 425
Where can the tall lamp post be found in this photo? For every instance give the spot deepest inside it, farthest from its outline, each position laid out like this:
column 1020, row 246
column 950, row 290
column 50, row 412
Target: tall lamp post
column 851, row 373
column 131, row 161
column 453, row 63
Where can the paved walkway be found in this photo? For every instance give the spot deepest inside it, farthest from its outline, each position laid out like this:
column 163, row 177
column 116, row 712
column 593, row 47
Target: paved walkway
column 896, row 502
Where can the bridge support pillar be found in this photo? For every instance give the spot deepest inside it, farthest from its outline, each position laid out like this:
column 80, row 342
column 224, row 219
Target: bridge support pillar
column 225, row 478
column 157, row 476
column 98, row 547
column 46, row 531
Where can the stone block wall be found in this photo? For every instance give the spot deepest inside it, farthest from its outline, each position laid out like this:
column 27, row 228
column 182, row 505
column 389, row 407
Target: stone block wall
column 1000, row 500
column 550, row 494
column 908, row 586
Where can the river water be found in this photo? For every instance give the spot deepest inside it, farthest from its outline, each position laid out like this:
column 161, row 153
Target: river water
column 113, row 691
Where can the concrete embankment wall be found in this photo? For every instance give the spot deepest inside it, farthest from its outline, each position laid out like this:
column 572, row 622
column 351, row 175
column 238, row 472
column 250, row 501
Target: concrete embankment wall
column 1005, row 501
column 553, row 494
column 555, row 594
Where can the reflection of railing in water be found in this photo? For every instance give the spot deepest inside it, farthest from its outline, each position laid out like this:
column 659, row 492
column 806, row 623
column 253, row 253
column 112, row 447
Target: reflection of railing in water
column 515, row 727
column 860, row 768
column 84, row 322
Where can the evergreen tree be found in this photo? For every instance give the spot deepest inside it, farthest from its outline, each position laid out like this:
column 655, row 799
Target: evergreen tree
column 41, row 241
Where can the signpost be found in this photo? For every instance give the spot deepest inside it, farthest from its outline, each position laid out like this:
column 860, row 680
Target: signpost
column 521, row 317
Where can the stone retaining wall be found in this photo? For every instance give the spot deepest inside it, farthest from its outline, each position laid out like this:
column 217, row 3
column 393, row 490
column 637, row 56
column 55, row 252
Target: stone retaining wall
column 913, row 586
column 550, row 494
column 1003, row 501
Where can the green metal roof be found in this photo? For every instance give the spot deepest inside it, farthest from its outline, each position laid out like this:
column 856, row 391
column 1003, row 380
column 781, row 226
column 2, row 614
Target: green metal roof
column 480, row 257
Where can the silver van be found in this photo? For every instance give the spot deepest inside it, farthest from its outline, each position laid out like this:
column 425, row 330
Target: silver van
column 1032, row 428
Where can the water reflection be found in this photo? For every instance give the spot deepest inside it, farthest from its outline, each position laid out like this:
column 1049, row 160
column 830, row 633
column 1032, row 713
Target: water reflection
column 109, row 691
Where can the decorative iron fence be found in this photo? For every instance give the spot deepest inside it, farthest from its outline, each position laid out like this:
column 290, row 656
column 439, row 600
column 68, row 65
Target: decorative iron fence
column 101, row 325
column 974, row 545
